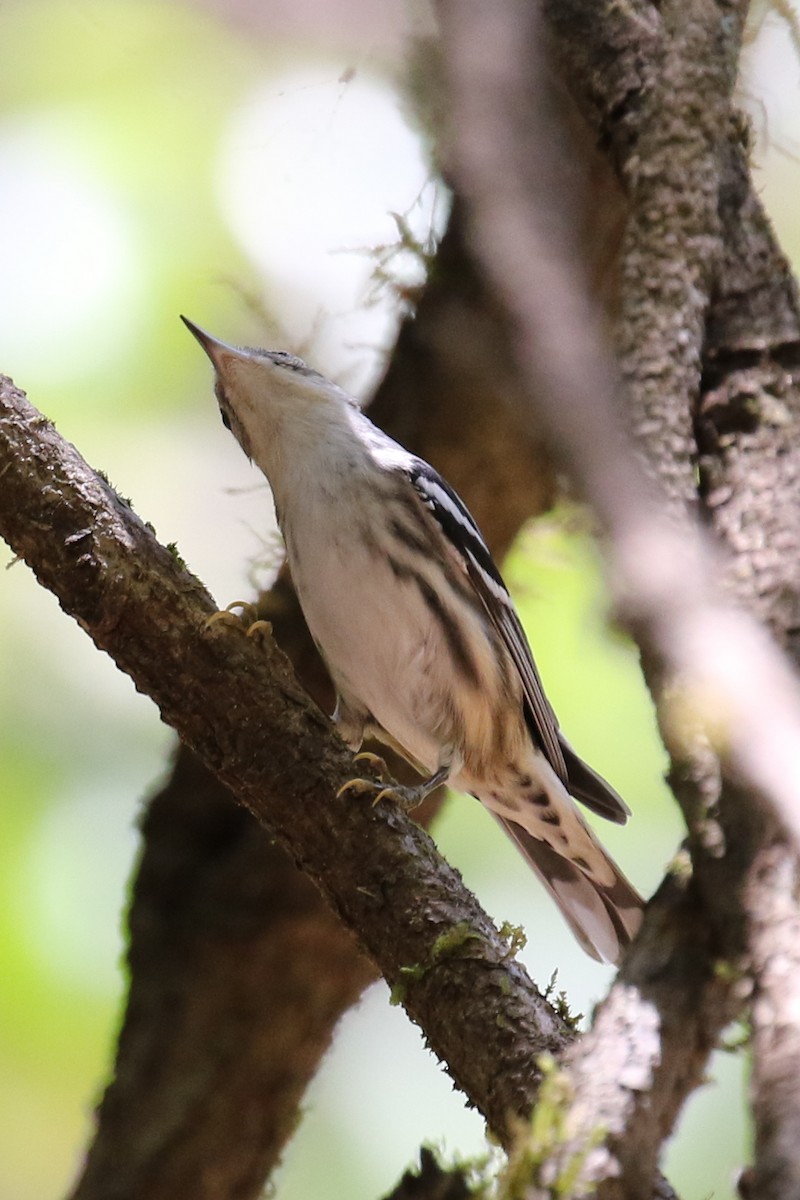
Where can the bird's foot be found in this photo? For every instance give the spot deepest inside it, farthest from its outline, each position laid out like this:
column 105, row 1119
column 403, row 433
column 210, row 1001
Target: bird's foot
column 406, row 798
column 247, row 620
column 362, row 786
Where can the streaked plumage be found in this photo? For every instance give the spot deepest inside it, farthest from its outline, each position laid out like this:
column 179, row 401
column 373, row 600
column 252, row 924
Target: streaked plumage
column 417, row 628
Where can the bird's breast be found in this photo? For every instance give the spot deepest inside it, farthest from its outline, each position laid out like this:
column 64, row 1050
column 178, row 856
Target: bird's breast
column 382, row 641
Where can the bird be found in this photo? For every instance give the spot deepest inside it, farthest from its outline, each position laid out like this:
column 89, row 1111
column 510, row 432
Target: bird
column 418, row 630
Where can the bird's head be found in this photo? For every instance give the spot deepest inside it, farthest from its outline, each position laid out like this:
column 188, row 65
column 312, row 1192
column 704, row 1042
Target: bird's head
column 262, row 393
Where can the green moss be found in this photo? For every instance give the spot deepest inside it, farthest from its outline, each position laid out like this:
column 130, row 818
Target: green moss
column 537, row 1157
column 516, row 937
column 172, row 548
column 446, row 945
column 558, row 1000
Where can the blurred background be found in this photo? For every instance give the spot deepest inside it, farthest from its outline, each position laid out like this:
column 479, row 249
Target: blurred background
column 241, row 163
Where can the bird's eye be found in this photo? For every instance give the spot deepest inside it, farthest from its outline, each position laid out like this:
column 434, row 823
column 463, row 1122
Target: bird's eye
column 226, row 421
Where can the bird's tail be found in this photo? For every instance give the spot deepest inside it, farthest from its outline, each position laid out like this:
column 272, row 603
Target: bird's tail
column 604, row 916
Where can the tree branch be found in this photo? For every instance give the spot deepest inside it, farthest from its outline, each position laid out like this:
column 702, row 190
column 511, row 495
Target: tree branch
column 432, row 1182
column 747, row 428
column 775, row 951
column 662, row 576
column 220, row 1036
column 673, row 245
column 748, row 431
column 238, row 706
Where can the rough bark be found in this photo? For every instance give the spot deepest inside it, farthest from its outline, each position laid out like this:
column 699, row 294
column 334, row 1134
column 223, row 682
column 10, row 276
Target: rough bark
column 747, row 431
column 775, row 950
column 432, row 1182
column 673, row 187
column 630, row 1075
column 208, row 1079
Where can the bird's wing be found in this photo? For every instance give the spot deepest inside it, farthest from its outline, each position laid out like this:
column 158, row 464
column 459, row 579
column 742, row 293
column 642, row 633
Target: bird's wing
column 591, row 789
column 462, row 533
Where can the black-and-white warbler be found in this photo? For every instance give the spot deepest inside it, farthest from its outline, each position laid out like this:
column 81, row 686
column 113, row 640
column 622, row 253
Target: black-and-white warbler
column 416, row 626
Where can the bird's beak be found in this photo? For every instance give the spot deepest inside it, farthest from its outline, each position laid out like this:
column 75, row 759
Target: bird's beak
column 214, row 348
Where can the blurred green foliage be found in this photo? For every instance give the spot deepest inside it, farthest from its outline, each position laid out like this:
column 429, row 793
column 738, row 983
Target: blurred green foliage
column 111, row 120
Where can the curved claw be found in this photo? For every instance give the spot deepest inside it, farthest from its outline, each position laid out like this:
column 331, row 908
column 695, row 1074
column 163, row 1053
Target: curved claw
column 258, row 627
column 360, row 786
column 249, row 611
column 390, row 793
column 223, row 617
column 227, row 616
column 406, row 798
column 376, row 762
